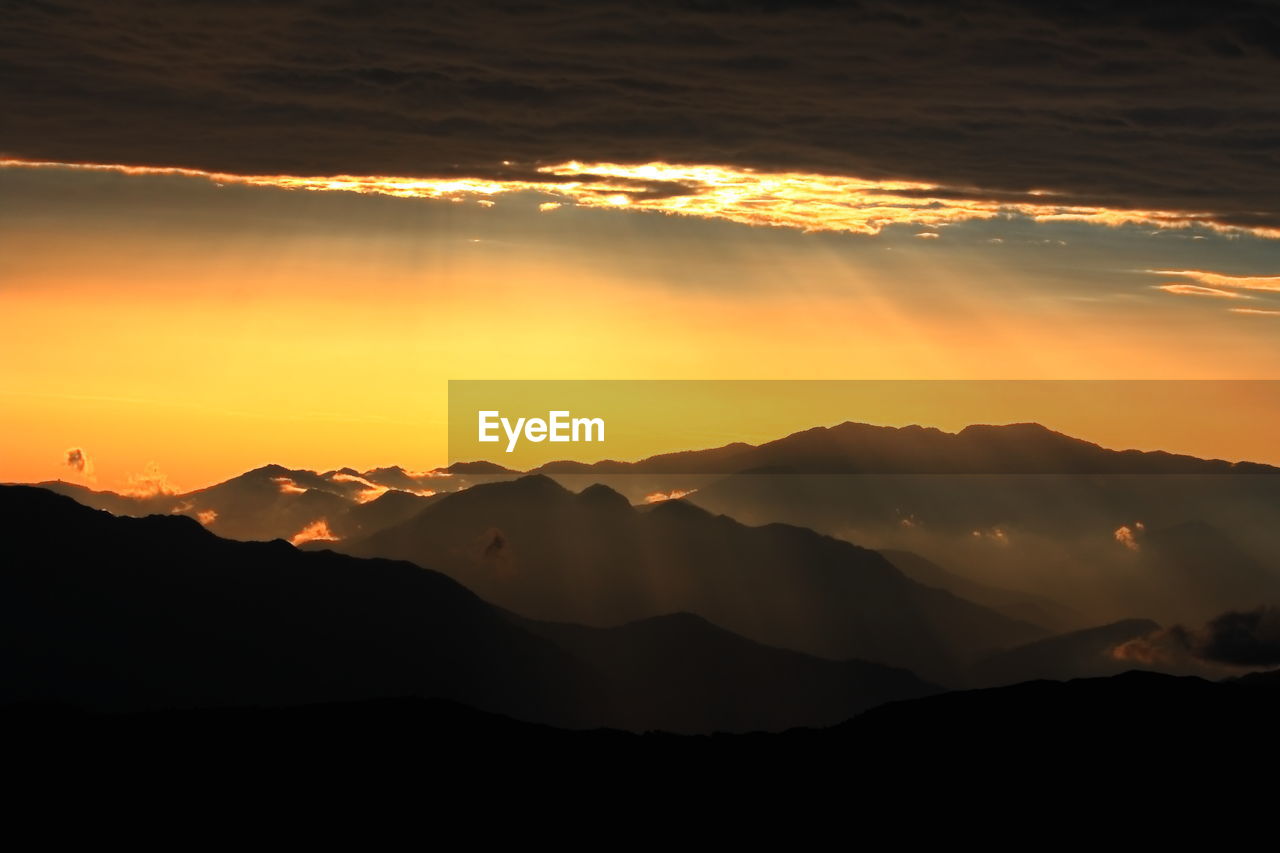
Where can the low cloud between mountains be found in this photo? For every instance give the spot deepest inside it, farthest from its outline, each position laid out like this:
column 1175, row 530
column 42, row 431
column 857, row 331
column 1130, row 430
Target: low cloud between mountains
column 1236, row 638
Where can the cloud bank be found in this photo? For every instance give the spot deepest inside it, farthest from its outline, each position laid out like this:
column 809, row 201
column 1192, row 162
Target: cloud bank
column 1145, row 106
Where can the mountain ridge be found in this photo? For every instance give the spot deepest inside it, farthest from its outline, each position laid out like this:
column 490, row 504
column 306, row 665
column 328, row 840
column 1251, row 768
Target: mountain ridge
column 124, row 613
column 854, row 447
column 551, row 554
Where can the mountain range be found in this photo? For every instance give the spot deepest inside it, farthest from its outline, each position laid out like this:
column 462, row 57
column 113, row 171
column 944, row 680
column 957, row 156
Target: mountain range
column 129, row 614
column 536, row 548
column 859, row 448
column 949, row 569
column 275, row 502
column 1152, row 726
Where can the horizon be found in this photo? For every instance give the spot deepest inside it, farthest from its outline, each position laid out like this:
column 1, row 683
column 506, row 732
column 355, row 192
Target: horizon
column 131, row 488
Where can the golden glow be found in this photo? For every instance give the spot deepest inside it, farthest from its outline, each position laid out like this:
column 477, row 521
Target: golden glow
column 319, row 330
column 1200, row 290
column 1228, row 420
column 150, row 483
column 673, row 495
column 801, row 200
column 1128, row 536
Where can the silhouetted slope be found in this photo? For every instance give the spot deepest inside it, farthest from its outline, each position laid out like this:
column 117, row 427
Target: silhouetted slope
column 389, row 508
column 680, row 673
column 1138, row 722
column 1016, row 605
column 1055, row 536
column 1173, row 720
column 112, row 502
column 1078, row 654
column 1201, row 568
column 544, row 552
column 157, row 612
column 275, row 502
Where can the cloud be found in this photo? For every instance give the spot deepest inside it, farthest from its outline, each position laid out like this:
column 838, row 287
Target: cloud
column 1154, row 113
column 1215, row 281
column 316, row 531
column 1128, row 536
column 150, row 483
column 78, row 460
column 1235, row 638
column 673, row 495
column 1251, row 638
column 287, row 486
column 1198, row 290
column 367, row 491
column 1261, row 312
column 207, row 516
column 805, row 201
column 997, row 535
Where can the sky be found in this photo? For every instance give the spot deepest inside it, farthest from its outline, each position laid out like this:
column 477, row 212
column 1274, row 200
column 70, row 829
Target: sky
column 223, row 245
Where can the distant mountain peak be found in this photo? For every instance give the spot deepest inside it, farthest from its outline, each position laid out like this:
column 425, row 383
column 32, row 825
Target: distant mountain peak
column 479, row 466
column 1023, row 430
column 598, row 494
column 270, row 470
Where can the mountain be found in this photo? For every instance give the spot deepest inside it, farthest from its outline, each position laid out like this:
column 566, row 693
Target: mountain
column 112, row 502
column 1022, row 736
column 126, row 613
column 275, row 502
column 1023, row 606
column 477, row 467
column 680, row 673
column 540, row 550
column 1076, row 654
column 857, row 448
column 389, row 508
column 1143, row 719
column 1202, row 568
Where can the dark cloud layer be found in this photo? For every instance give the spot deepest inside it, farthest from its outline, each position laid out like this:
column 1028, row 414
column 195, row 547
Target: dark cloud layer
column 1161, row 105
column 1251, row 638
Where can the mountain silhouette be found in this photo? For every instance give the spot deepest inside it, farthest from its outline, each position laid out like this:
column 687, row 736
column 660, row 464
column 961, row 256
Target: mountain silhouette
column 477, row 467
column 1022, row 735
column 275, row 502
column 538, row 549
column 680, row 673
column 1202, row 569
column 1076, row 654
column 858, row 448
column 1016, row 605
column 124, row 613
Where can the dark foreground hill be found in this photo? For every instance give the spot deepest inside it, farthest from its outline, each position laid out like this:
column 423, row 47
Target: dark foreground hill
column 1121, row 729
column 153, row 613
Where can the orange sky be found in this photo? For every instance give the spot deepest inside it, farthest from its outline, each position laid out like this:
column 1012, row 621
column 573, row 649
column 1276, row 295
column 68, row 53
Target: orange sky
column 203, row 330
